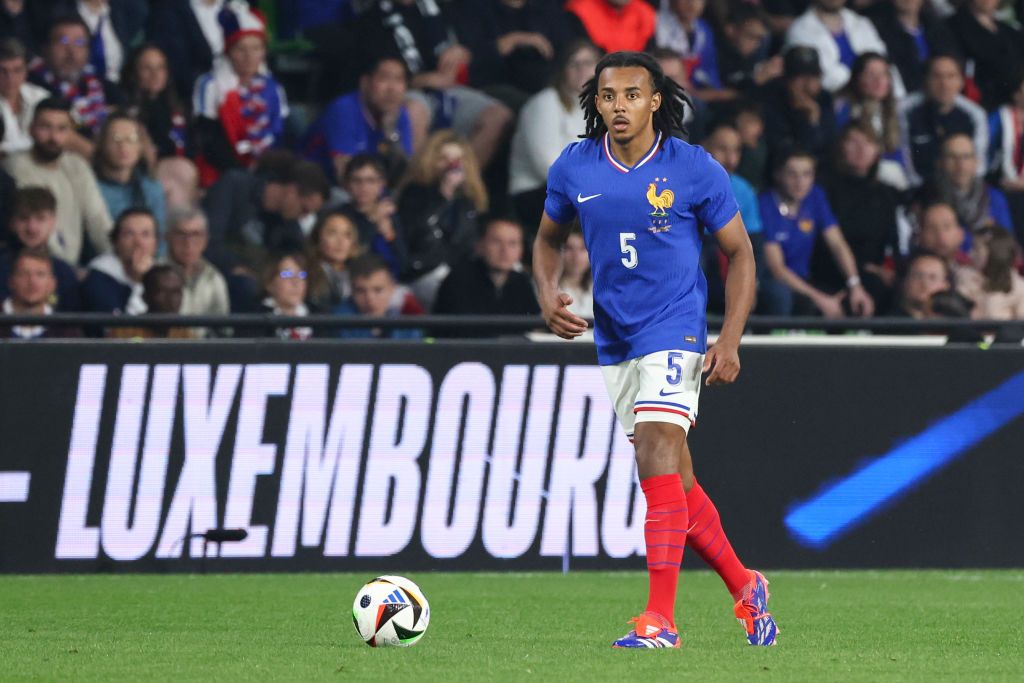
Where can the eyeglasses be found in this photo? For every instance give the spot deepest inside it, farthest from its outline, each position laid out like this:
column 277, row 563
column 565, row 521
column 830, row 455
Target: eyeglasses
column 77, row 42
column 292, row 275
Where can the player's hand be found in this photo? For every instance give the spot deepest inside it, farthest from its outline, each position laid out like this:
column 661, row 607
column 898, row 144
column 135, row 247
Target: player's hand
column 723, row 361
column 861, row 302
column 559, row 318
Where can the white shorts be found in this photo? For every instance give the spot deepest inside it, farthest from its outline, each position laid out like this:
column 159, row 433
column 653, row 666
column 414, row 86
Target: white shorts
column 660, row 387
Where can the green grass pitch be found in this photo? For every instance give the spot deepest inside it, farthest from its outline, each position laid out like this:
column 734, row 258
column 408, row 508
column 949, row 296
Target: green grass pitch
column 836, row 626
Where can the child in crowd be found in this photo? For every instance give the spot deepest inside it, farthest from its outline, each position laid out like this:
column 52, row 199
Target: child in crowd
column 285, row 284
column 375, row 294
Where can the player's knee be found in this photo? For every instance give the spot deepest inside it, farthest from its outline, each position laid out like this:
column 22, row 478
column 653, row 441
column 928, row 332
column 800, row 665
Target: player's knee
column 657, row 446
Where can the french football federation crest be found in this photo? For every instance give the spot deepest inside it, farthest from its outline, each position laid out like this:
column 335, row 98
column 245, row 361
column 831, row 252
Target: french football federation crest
column 660, row 201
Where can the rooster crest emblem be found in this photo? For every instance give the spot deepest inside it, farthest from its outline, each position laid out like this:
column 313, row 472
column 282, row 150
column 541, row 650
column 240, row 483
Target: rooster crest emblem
column 661, row 201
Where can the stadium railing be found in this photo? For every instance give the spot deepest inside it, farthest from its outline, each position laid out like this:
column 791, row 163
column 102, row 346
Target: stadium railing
column 1000, row 330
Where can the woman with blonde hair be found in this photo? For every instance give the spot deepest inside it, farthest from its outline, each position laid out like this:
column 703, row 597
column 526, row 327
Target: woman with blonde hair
column 440, row 202
column 333, row 242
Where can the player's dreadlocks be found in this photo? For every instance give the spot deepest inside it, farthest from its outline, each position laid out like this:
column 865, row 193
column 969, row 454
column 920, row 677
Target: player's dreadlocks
column 674, row 99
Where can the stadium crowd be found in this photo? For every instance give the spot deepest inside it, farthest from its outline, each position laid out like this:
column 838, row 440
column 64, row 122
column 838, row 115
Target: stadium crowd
column 389, row 157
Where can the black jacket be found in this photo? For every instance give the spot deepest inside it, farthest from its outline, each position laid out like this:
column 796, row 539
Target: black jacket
column 436, row 230
column 996, row 56
column 469, row 290
column 174, row 27
column 901, row 46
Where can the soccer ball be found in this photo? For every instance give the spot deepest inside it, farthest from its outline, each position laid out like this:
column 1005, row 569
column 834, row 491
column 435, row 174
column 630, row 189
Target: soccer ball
column 390, row 610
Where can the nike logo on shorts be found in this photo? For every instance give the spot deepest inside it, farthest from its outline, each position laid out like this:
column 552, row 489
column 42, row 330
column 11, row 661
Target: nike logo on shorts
column 671, row 393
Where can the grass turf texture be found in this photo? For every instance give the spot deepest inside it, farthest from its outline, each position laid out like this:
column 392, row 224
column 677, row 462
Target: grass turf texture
column 895, row 625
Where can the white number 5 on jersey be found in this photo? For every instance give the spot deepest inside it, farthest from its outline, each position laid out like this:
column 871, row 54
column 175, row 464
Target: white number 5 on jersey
column 630, row 258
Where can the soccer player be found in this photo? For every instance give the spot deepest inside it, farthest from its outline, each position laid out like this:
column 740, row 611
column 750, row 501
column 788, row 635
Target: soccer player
column 643, row 197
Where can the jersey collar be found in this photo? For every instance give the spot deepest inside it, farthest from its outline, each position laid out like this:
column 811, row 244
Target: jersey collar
column 621, row 166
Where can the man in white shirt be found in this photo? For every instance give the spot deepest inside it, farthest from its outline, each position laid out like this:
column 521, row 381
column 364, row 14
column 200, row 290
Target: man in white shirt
column 81, row 210
column 839, row 35
column 18, row 97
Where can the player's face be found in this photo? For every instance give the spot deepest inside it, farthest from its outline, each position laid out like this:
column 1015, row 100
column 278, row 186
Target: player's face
column 796, row 178
column 626, row 102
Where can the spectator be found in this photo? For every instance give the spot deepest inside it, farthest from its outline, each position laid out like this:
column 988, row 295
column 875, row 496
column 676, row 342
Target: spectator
column 838, row 35
column 957, row 182
column 313, row 190
column 333, row 243
column 81, row 210
column 121, row 171
column 991, row 282
column 179, row 179
column 439, row 203
column 912, row 32
column 114, row 281
column 163, row 292
column 681, row 29
column 31, row 286
column 995, row 48
column 153, row 100
column 33, row 223
column 743, row 62
column 239, row 107
column 548, row 122
column 927, row 275
column 190, row 36
column 285, row 284
column 866, row 211
column 940, row 110
column 1006, row 144
column 797, row 109
column 371, row 120
column 941, row 234
column 66, row 73
column 577, row 279
column 795, row 214
column 18, row 97
column 615, row 25
column 490, row 283
column 439, row 66
column 725, row 145
column 375, row 294
column 24, row 20
column 514, row 45
column 205, row 289
column 114, row 25
column 374, row 212
column 868, row 96
column 746, row 116
column 253, row 214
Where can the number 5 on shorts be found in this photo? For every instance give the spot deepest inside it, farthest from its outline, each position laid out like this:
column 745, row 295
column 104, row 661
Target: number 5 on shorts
column 675, row 375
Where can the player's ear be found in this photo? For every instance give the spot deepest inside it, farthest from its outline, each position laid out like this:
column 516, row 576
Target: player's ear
column 656, row 101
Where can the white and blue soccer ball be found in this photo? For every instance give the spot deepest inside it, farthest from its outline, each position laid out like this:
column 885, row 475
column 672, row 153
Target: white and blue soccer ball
column 390, row 611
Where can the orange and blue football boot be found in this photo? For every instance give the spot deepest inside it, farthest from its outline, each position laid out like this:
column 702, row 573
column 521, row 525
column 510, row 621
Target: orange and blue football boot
column 752, row 612
column 651, row 631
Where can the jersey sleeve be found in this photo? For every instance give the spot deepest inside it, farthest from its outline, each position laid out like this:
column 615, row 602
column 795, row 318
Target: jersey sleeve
column 715, row 205
column 558, row 204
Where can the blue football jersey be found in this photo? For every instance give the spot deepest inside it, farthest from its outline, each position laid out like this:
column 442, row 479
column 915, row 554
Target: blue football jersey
column 642, row 226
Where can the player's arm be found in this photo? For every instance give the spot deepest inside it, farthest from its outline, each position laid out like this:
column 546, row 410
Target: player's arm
column 860, row 301
column 547, row 269
column 723, row 358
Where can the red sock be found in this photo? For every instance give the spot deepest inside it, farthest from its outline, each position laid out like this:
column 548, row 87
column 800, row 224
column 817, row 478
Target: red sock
column 707, row 537
column 665, row 534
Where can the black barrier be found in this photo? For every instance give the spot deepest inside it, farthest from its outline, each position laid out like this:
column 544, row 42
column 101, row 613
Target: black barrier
column 489, row 456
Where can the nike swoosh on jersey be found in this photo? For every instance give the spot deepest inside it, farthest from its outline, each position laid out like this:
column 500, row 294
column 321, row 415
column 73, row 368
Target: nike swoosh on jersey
column 580, row 198
column 671, row 393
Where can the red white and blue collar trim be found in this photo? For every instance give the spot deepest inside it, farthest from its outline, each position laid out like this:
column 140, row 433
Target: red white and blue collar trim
column 622, row 167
